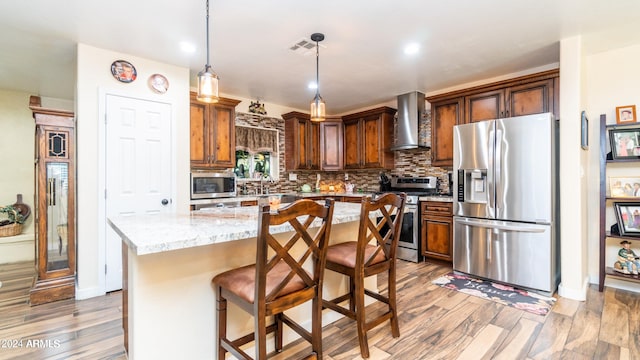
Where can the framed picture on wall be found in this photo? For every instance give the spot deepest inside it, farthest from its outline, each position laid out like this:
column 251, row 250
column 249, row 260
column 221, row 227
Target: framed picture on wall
column 626, row 114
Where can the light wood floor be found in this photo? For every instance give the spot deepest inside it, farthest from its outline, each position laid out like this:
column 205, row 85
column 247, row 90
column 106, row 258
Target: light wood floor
column 435, row 323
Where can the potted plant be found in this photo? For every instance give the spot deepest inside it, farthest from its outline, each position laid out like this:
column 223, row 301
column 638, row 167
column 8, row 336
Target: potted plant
column 11, row 221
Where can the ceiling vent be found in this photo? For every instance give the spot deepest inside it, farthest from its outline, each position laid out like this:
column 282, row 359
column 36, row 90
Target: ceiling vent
column 304, row 47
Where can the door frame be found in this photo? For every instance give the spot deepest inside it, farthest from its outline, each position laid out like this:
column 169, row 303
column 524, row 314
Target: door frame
column 102, row 164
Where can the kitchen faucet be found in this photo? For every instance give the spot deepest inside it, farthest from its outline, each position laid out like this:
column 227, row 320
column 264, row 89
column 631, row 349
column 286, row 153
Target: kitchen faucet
column 262, row 187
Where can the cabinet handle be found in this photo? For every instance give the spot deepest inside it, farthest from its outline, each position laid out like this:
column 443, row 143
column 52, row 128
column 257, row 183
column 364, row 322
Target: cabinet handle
column 507, row 113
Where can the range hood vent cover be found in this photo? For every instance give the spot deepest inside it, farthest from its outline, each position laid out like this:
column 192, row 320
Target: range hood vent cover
column 407, row 133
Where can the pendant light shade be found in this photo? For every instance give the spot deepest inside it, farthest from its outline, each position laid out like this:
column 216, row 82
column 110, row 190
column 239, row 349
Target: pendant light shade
column 207, row 79
column 318, row 112
column 207, row 85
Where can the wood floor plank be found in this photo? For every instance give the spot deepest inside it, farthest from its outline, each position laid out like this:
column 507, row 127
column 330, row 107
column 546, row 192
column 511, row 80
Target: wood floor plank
column 583, row 336
column 484, row 343
column 607, row 351
column 566, row 306
column 614, row 325
column 520, row 339
column 551, row 339
column 507, row 318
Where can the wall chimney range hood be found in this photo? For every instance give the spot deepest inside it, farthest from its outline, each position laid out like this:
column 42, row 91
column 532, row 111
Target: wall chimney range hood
column 407, row 134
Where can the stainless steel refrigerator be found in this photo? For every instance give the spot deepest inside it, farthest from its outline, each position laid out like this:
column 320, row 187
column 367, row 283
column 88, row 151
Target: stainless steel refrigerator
column 505, row 201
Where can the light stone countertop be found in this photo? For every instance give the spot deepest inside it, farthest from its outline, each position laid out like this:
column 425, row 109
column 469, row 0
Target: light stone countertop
column 149, row 234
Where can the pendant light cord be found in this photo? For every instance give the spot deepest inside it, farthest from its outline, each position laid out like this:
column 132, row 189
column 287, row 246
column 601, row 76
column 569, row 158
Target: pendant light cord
column 317, row 68
column 207, row 66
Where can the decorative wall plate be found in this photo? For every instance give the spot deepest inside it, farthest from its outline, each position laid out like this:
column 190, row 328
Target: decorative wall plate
column 158, row 83
column 123, row 71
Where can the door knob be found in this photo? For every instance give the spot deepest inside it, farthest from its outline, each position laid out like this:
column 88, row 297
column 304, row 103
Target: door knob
column 164, row 201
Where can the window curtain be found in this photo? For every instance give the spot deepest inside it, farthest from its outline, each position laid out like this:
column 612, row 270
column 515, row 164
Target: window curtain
column 254, row 140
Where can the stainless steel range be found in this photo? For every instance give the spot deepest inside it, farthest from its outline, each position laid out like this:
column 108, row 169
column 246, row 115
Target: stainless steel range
column 414, row 187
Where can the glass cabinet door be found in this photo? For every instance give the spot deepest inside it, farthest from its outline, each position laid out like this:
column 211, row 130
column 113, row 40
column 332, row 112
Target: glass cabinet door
column 57, row 216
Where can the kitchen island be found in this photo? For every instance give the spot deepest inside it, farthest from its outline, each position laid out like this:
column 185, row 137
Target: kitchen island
column 169, row 261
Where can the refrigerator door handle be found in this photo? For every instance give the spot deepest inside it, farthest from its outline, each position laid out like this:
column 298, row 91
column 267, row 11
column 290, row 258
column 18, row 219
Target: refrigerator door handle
column 519, row 227
column 491, row 175
column 498, row 170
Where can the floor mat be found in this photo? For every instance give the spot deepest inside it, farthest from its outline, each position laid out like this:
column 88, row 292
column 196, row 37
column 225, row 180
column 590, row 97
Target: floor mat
column 503, row 294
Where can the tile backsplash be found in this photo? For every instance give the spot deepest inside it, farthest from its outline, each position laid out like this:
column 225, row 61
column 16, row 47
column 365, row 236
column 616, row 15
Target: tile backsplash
column 408, row 163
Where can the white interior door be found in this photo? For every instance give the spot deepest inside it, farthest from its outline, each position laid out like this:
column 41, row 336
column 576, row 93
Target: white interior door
column 138, row 168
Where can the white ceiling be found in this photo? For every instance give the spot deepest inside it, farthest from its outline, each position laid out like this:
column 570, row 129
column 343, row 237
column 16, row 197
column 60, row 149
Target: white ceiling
column 361, row 59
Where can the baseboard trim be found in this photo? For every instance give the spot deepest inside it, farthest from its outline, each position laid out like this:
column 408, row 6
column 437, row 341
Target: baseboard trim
column 82, row 294
column 574, row 294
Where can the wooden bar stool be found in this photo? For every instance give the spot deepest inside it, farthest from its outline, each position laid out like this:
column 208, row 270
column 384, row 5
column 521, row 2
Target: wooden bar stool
column 278, row 281
column 367, row 256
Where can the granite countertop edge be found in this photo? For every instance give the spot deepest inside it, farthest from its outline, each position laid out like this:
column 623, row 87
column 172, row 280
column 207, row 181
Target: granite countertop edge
column 151, row 234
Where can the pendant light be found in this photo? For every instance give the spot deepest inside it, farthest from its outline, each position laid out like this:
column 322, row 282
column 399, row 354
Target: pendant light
column 207, row 79
column 317, row 105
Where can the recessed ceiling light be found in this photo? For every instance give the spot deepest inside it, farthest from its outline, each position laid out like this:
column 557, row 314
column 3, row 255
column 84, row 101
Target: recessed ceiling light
column 312, row 85
column 187, row 47
column 411, row 49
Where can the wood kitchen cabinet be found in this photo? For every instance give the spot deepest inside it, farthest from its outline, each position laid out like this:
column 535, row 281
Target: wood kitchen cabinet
column 526, row 95
column 437, row 230
column 55, row 189
column 301, row 142
column 530, row 98
column 213, row 142
column 444, row 115
column 368, row 137
column 331, row 145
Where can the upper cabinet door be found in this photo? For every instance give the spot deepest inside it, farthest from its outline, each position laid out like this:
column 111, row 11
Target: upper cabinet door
column 200, row 136
column 223, row 148
column 531, row 98
column 331, row 142
column 352, row 144
column 372, row 141
column 445, row 115
column 484, row 106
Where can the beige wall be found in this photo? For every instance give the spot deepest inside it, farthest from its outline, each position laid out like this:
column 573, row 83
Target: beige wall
column 612, row 79
column 94, row 80
column 16, row 170
column 16, row 151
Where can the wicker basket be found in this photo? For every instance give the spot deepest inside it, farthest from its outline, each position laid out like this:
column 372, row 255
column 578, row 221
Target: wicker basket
column 10, row 230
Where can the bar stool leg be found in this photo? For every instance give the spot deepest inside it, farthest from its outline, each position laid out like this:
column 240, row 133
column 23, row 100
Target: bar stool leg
column 278, row 332
column 222, row 323
column 361, row 318
column 260, row 335
column 395, row 328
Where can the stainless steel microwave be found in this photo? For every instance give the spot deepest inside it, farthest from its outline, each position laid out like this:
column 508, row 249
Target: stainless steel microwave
column 211, row 185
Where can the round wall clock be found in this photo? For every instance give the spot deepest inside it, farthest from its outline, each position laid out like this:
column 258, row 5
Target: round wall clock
column 158, row 83
column 123, row 71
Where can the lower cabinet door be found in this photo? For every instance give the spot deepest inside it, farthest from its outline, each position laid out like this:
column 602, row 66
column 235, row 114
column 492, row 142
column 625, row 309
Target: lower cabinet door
column 437, row 235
